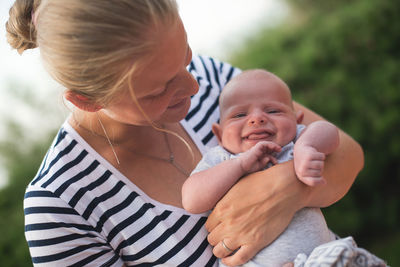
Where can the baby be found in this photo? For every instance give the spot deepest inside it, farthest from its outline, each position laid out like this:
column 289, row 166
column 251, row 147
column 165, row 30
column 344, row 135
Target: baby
column 258, row 128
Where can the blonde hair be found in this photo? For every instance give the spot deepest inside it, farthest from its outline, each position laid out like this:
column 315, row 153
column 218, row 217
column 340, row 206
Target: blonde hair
column 91, row 47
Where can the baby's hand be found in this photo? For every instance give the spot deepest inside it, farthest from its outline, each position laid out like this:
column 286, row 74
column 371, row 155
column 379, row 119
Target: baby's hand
column 257, row 157
column 309, row 165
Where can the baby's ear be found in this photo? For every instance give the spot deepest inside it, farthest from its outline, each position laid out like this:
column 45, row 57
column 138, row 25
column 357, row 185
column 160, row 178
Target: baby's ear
column 217, row 131
column 299, row 116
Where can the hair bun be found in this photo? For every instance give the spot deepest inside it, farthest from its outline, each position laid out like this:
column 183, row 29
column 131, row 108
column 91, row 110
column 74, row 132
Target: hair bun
column 21, row 33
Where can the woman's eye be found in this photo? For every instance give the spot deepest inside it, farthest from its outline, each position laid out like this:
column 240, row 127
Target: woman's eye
column 156, row 94
column 273, row 111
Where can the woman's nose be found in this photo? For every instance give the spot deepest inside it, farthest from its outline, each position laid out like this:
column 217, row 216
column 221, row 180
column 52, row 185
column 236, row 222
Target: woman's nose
column 193, row 83
column 189, row 83
column 257, row 119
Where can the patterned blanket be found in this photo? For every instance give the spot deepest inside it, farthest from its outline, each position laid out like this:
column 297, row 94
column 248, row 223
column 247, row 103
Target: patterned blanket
column 339, row 253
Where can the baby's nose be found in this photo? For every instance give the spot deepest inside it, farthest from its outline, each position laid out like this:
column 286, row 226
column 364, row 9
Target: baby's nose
column 257, row 119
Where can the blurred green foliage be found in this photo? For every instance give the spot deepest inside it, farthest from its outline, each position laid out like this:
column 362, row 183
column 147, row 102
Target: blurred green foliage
column 22, row 149
column 22, row 161
column 342, row 60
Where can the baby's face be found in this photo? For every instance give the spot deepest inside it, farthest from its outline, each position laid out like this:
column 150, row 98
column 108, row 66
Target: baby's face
column 253, row 110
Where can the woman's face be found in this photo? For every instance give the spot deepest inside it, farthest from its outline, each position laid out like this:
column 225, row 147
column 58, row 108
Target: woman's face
column 164, row 86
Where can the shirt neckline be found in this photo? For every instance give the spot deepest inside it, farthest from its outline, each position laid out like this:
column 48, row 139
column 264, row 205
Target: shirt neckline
column 92, row 152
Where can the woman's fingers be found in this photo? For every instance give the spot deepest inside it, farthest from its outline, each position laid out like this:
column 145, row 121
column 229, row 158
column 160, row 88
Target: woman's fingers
column 214, row 236
column 211, row 223
column 241, row 256
column 224, row 248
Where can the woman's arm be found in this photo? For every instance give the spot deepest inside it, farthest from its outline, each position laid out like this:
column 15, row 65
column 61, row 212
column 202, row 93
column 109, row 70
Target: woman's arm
column 260, row 206
column 58, row 236
column 341, row 167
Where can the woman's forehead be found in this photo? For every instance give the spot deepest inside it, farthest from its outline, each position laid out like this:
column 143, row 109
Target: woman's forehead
column 168, row 57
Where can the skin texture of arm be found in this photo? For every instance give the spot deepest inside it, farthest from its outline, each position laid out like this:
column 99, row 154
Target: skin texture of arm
column 260, row 206
column 202, row 190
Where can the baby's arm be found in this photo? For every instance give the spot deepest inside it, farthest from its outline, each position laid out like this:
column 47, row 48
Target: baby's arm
column 203, row 189
column 319, row 139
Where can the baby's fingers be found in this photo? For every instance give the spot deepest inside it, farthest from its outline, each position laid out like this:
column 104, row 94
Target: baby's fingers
column 317, row 165
column 265, row 160
column 319, row 156
column 270, row 147
column 272, row 159
column 313, row 181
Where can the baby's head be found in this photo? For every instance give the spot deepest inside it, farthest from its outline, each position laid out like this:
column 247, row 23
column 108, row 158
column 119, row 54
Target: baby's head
column 255, row 106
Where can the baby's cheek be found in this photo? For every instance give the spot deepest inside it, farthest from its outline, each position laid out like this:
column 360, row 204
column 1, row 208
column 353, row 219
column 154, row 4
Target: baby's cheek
column 231, row 141
column 288, row 133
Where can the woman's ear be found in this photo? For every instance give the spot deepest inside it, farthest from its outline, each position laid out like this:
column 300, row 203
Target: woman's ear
column 81, row 101
column 217, row 131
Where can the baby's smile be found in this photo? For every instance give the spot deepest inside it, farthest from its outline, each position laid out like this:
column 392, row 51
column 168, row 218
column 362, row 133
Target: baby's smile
column 258, row 134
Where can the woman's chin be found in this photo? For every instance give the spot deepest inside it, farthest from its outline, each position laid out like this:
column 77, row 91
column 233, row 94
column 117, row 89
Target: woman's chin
column 176, row 112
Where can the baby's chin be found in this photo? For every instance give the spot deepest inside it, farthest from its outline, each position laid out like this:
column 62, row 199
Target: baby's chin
column 249, row 143
column 237, row 150
column 232, row 150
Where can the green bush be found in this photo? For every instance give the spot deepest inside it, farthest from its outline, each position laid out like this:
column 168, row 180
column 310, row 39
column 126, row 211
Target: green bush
column 342, row 60
column 22, row 149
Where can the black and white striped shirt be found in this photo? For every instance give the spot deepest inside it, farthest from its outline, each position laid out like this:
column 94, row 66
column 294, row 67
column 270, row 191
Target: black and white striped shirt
column 81, row 211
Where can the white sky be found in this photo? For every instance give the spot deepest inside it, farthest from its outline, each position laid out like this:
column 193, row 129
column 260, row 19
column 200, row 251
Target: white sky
column 213, row 28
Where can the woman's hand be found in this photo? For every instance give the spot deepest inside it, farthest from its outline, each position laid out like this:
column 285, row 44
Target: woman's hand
column 254, row 212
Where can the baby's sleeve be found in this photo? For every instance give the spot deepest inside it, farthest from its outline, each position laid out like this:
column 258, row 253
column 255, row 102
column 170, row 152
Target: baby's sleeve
column 212, row 157
column 300, row 128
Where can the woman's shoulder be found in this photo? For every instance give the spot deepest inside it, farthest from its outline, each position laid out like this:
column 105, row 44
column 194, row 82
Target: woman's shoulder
column 68, row 165
column 213, row 70
column 211, row 75
column 62, row 151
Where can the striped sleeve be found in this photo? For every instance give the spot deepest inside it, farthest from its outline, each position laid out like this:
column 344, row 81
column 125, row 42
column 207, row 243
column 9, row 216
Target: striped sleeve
column 211, row 75
column 58, row 236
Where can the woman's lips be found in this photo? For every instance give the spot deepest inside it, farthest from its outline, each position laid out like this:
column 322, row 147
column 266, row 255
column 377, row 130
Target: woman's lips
column 178, row 105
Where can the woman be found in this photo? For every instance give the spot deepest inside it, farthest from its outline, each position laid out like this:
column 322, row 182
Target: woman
column 108, row 190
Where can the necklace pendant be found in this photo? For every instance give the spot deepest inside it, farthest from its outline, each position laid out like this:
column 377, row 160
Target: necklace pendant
column 171, row 158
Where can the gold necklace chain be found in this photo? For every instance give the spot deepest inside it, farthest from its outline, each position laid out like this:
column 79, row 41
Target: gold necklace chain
column 170, row 159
